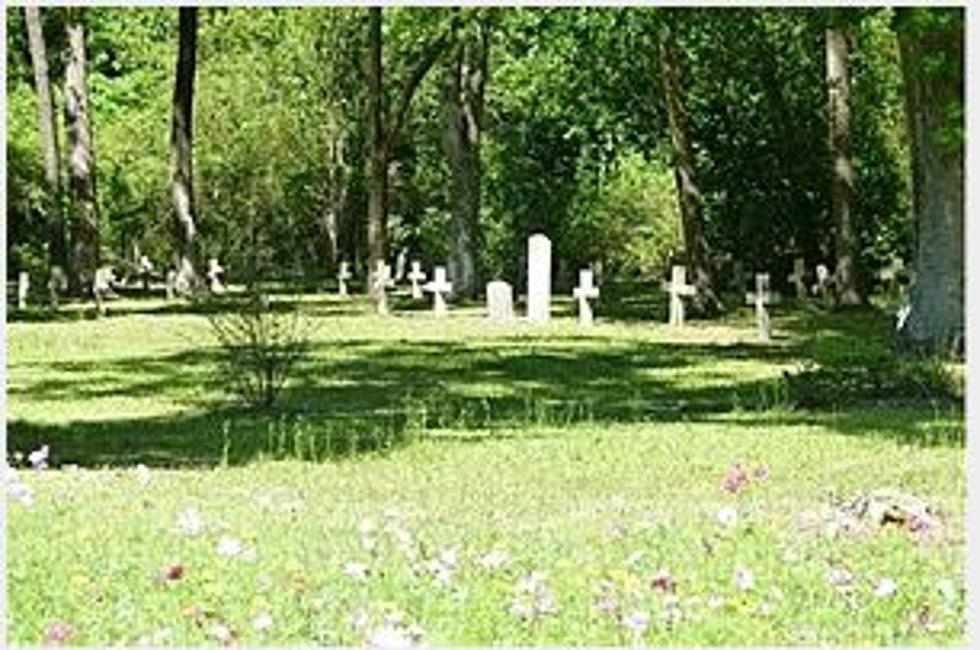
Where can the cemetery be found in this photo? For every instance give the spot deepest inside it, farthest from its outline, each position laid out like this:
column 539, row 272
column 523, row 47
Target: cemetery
column 556, row 410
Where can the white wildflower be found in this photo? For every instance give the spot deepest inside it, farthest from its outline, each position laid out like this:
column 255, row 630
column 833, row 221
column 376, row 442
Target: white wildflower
column 744, row 579
column 885, row 588
column 727, row 517
column 636, row 622
column 262, row 622
column 190, row 522
column 493, row 560
column 357, row 570
column 229, row 546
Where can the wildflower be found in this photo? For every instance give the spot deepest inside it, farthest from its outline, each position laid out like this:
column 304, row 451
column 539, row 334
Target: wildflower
column 143, row 474
column 921, row 527
column 389, row 637
column 221, row 632
column 533, row 598
column 885, row 588
column 357, row 570
column 262, row 622
column 761, row 473
column 18, row 490
column 716, row 601
column 359, row 620
column 449, row 558
column 190, row 522
column 744, row 579
column 634, row 558
column 606, row 605
column 663, row 582
column 229, row 546
column 636, row 622
column 727, row 516
column 840, row 577
column 493, row 560
column 57, row 633
column 735, row 479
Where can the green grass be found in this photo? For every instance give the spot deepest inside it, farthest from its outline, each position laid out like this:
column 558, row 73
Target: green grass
column 592, row 457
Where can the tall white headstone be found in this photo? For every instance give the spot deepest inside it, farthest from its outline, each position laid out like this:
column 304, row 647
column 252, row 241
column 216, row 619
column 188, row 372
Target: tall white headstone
column 342, row 277
column 500, row 302
column 538, row 279
column 760, row 298
column 585, row 291
column 381, row 282
column 439, row 286
column 678, row 287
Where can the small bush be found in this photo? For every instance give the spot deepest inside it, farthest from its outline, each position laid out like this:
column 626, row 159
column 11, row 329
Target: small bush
column 886, row 379
column 261, row 344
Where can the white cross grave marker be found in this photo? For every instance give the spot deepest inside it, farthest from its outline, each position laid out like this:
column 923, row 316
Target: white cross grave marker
column 56, row 283
column 760, row 298
column 678, row 288
column 342, row 277
column 23, row 286
column 438, row 286
column 380, row 283
column 796, row 277
column 214, row 271
column 584, row 291
column 416, row 276
column 822, row 287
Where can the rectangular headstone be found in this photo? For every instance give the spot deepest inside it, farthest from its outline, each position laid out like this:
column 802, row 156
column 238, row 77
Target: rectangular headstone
column 23, row 286
column 500, row 301
column 538, row 279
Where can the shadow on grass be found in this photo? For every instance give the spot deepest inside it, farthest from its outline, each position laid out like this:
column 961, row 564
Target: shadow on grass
column 374, row 395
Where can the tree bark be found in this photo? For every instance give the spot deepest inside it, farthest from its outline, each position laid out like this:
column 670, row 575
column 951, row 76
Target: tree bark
column 181, row 149
column 383, row 128
column 463, row 102
column 48, row 138
column 842, row 177
column 705, row 301
column 81, row 161
column 935, row 321
column 377, row 159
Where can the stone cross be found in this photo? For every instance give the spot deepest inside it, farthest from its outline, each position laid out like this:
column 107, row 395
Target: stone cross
column 102, row 287
column 796, row 277
column 400, row 265
column 171, row 283
column 214, row 271
column 677, row 288
column 760, row 298
column 584, row 291
column 538, row 278
column 822, row 287
column 889, row 275
column 438, row 286
column 416, row 276
column 380, row 284
column 500, row 301
column 342, row 277
column 145, row 269
column 23, row 286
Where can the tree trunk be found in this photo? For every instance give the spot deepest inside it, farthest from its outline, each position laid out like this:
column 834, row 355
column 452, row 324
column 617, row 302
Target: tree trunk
column 463, row 93
column 705, row 302
column 377, row 158
column 48, row 138
column 842, row 178
column 935, row 321
column 181, row 149
column 81, row 161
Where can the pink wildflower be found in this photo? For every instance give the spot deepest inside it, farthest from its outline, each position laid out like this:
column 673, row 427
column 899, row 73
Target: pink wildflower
column 735, row 479
column 57, row 633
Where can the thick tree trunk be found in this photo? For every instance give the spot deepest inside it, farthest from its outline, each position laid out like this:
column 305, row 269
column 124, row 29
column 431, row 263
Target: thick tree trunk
column 181, row 149
column 842, row 178
column 81, row 162
column 705, row 301
column 463, row 94
column 935, row 321
column 48, row 138
column 377, row 158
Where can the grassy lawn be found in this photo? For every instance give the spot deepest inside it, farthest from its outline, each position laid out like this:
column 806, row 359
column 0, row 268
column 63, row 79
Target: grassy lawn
column 472, row 484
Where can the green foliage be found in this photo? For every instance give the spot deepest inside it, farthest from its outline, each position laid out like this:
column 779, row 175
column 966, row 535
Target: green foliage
column 261, row 343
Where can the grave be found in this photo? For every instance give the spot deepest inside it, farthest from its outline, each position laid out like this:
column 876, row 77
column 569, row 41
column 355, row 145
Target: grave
column 400, row 265
column 102, row 287
column 797, row 276
column 23, row 286
column 438, row 286
column 823, row 286
column 416, row 276
column 213, row 276
column 677, row 288
column 145, row 267
column 892, row 276
column 343, row 275
column 171, row 283
column 584, row 291
column 380, row 283
column 538, row 279
column 760, row 298
column 500, row 301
